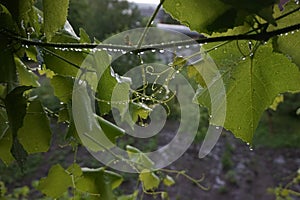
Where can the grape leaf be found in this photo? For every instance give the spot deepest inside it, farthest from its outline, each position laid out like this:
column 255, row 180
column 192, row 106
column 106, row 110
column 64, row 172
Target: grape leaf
column 55, row 16
column 35, row 134
column 63, row 87
column 218, row 15
column 149, row 179
column 288, row 43
column 16, row 104
column 64, row 61
column 199, row 15
column 26, row 77
column 251, row 85
column 56, row 183
column 99, row 182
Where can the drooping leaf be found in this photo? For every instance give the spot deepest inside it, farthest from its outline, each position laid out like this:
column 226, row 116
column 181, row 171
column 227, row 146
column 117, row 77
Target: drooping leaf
column 55, row 16
column 16, row 105
column 63, row 87
column 56, row 183
column 100, row 183
column 26, row 77
column 149, row 179
column 251, row 85
column 89, row 130
column 35, row 134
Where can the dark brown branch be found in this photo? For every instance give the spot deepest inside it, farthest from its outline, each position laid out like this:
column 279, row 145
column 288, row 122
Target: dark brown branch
column 262, row 36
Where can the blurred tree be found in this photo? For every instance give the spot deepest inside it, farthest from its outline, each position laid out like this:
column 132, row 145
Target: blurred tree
column 101, row 18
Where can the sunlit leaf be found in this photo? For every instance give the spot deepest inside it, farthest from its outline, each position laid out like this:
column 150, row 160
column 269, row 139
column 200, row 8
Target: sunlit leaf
column 149, row 179
column 251, row 85
column 168, row 181
column 279, row 99
column 55, row 16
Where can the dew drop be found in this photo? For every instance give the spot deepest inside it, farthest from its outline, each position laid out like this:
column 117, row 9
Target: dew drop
column 61, row 103
column 251, row 149
column 161, row 51
column 179, row 47
column 153, row 50
column 244, row 58
column 177, row 72
column 187, row 46
column 248, row 143
column 217, row 127
column 108, row 103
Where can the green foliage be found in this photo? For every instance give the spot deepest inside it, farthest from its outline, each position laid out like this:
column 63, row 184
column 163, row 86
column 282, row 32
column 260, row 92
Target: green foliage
column 149, row 179
column 56, row 183
column 250, row 85
column 254, row 74
column 55, row 15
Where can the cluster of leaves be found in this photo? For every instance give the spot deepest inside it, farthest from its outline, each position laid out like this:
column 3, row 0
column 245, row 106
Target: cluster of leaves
column 254, row 73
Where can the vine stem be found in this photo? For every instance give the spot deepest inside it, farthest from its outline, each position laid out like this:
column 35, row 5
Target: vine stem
column 149, row 24
column 262, row 36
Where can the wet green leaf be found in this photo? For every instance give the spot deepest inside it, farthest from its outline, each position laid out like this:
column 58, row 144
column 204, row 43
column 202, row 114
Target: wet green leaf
column 35, row 134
